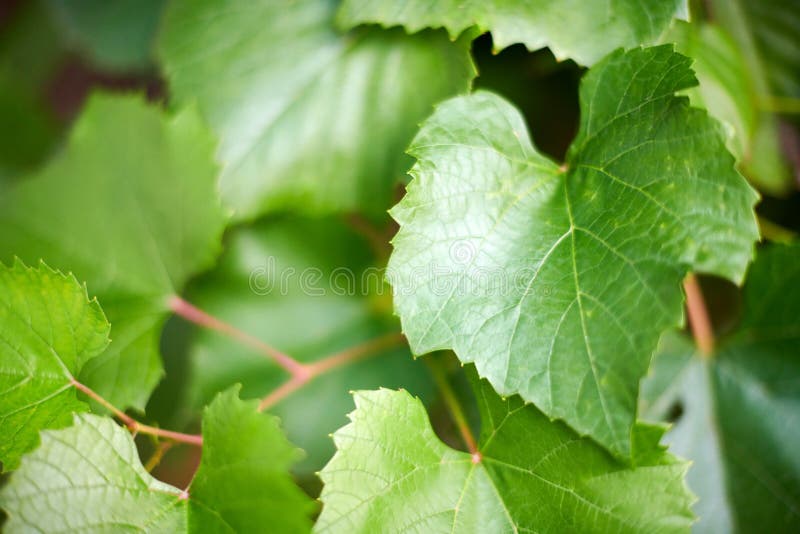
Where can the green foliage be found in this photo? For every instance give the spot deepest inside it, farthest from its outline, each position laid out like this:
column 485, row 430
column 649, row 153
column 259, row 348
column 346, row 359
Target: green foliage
column 769, row 31
column 115, row 34
column 50, row 330
column 134, row 219
column 572, row 29
column 742, row 408
column 88, row 477
column 731, row 91
column 232, row 221
column 259, row 286
column 391, row 473
column 499, row 249
column 320, row 126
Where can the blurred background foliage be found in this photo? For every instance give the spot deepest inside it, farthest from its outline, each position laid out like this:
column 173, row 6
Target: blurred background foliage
column 54, row 53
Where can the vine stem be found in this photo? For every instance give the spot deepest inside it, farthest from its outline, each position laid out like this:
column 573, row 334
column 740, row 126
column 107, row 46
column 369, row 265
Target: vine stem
column 378, row 242
column 699, row 320
column 339, row 359
column 455, row 409
column 774, row 232
column 134, row 425
column 780, row 104
column 195, row 315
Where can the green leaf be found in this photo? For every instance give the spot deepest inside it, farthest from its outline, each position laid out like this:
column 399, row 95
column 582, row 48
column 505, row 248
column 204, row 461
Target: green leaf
column 307, row 288
column 320, row 123
column 49, row 331
column 244, row 473
column 558, row 281
column 131, row 207
column 769, row 34
column 572, row 29
column 391, row 473
column 740, row 419
column 29, row 54
column 729, row 89
column 116, row 35
column 89, row 477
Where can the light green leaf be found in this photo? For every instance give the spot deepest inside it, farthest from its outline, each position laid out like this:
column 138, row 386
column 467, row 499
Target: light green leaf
column 244, row 473
column 558, row 281
column 116, row 35
column 319, row 124
column 572, row 29
column 392, row 474
column 48, row 331
column 740, row 408
column 729, row 89
column 130, row 206
column 307, row 288
column 88, row 477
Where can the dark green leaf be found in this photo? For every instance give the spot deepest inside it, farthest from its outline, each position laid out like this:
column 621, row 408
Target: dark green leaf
column 558, row 281
column 741, row 408
column 116, row 35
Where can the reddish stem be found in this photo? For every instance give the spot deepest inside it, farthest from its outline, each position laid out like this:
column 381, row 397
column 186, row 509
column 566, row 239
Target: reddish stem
column 134, row 425
column 201, row 318
column 353, row 354
column 283, row 391
column 699, row 320
column 339, row 359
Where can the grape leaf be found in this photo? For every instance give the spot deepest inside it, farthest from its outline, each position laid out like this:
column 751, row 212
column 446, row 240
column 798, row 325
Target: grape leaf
column 307, row 288
column 740, row 419
column 115, row 35
column 729, row 89
column 571, row 28
column 131, row 207
column 391, row 473
column 320, row 126
column 49, row 331
column 558, row 281
column 89, row 477
column 244, row 473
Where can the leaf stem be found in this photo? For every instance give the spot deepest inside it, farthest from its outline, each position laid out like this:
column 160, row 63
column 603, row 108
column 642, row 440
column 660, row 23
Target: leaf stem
column 699, row 320
column 775, row 232
column 334, row 361
column 378, row 241
column 280, row 393
column 455, row 409
column 356, row 353
column 780, row 104
column 199, row 317
column 134, row 425
column 158, row 455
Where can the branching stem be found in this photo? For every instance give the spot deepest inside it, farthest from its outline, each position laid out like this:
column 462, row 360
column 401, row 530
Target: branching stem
column 134, row 425
column 699, row 320
column 195, row 315
column 334, row 361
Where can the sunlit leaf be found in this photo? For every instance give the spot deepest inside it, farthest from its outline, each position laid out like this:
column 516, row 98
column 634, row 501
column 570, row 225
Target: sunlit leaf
column 557, row 281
